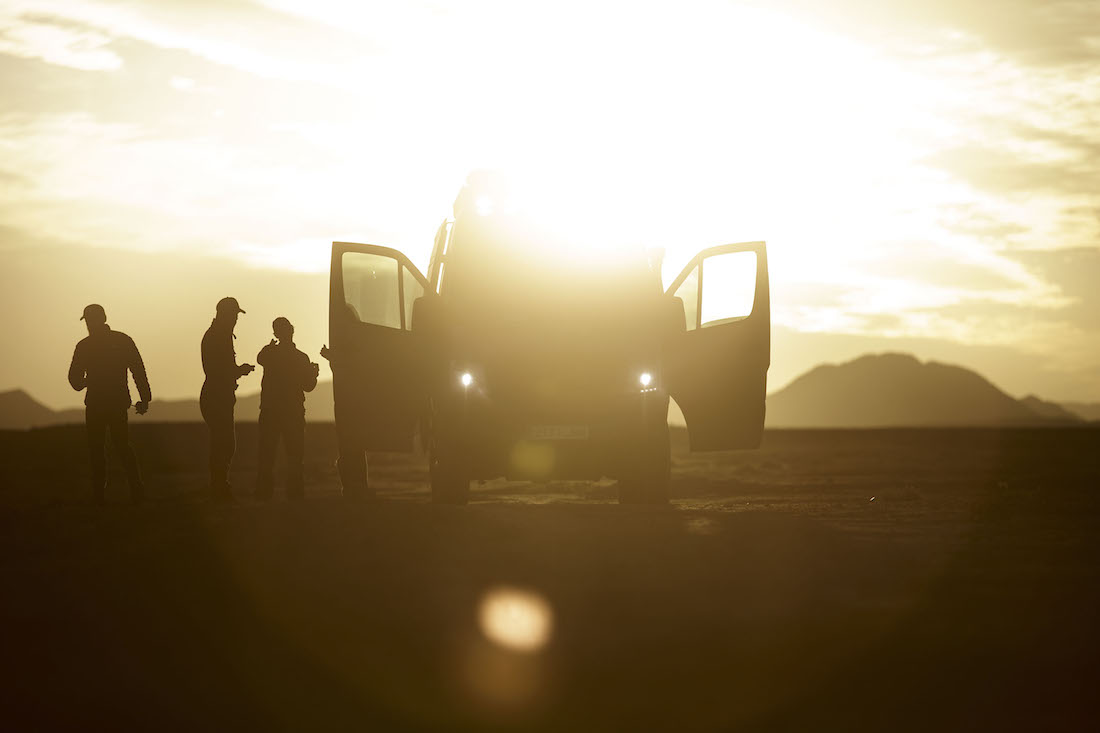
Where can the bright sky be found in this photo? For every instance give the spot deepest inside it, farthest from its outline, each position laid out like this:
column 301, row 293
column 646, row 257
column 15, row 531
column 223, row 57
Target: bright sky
column 926, row 173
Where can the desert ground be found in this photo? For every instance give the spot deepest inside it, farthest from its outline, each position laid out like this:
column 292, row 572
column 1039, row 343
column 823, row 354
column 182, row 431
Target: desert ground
column 832, row 580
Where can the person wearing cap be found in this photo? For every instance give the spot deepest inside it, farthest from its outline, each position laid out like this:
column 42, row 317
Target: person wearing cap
column 218, row 396
column 99, row 366
column 288, row 375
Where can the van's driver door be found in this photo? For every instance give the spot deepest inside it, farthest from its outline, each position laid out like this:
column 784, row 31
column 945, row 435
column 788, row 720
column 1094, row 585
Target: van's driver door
column 377, row 369
column 716, row 368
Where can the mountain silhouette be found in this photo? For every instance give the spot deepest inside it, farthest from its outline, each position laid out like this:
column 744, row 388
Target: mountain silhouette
column 1084, row 410
column 1050, row 410
column 18, row 411
column 887, row 390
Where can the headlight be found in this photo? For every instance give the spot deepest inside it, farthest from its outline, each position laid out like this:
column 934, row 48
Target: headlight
column 647, row 381
column 466, row 379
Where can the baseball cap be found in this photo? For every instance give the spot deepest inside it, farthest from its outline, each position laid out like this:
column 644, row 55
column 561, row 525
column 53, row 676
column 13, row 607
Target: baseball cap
column 94, row 312
column 229, row 305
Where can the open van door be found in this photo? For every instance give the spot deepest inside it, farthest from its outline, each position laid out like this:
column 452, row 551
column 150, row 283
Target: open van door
column 716, row 367
column 377, row 368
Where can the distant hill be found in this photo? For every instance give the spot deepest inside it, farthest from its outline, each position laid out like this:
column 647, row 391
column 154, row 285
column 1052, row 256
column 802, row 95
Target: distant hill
column 1084, row 410
column 18, row 411
column 886, row 390
column 1049, row 410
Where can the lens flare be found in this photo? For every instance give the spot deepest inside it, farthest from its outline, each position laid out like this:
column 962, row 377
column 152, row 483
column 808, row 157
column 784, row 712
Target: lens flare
column 520, row 620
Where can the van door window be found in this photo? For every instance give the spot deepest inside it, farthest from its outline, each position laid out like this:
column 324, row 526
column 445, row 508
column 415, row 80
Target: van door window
column 729, row 287
column 371, row 288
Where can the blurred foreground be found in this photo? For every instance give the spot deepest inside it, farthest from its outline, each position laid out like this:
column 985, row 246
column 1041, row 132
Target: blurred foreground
column 837, row 580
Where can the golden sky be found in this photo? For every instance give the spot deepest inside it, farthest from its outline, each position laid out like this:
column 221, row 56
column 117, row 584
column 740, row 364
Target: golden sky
column 926, row 173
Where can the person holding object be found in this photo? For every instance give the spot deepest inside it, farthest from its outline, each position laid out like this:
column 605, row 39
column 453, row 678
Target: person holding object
column 218, row 396
column 288, row 375
column 100, row 365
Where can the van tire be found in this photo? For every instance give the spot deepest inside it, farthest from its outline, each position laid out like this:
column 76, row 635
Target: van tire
column 648, row 474
column 450, row 479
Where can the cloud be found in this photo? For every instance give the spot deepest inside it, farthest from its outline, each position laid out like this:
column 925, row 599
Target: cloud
column 236, row 33
column 59, row 42
column 1031, row 32
column 1077, row 272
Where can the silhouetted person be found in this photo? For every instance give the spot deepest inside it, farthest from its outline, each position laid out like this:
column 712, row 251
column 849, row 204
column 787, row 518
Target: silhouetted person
column 219, row 363
column 349, row 403
column 100, row 363
column 288, row 375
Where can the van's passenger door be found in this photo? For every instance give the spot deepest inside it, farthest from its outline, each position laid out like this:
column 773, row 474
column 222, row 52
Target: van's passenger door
column 716, row 368
column 376, row 365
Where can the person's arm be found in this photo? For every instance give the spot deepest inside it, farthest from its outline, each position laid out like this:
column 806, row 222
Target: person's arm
column 265, row 354
column 219, row 362
column 141, row 379
column 78, row 373
column 309, row 374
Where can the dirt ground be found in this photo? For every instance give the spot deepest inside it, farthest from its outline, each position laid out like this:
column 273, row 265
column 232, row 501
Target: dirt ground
column 833, row 580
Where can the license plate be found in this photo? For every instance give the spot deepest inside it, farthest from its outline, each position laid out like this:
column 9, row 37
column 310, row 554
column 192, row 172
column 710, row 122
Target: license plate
column 559, row 432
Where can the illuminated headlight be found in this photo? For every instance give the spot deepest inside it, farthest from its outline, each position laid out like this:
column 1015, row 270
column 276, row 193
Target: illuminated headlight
column 645, row 379
column 466, row 379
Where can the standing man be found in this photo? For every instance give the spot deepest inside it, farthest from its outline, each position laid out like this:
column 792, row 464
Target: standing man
column 288, row 375
column 219, row 363
column 100, row 363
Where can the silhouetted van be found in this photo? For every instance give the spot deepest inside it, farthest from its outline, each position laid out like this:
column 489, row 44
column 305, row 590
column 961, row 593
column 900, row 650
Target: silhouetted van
column 529, row 354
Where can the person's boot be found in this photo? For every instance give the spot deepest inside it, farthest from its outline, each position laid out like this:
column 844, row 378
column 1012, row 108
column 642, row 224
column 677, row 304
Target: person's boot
column 359, row 493
column 221, row 492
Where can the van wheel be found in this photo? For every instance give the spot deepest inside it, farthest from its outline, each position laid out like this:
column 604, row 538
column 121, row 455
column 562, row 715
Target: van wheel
column 449, row 478
column 646, row 480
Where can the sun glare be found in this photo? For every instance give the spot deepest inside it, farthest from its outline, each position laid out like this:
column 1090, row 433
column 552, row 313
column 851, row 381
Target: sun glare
column 666, row 127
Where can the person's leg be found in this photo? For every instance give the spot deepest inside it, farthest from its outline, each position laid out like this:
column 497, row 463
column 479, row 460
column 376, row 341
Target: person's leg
column 268, row 429
column 96, row 428
column 228, row 448
column 208, row 417
column 352, row 463
column 119, row 426
column 219, row 419
column 294, row 438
